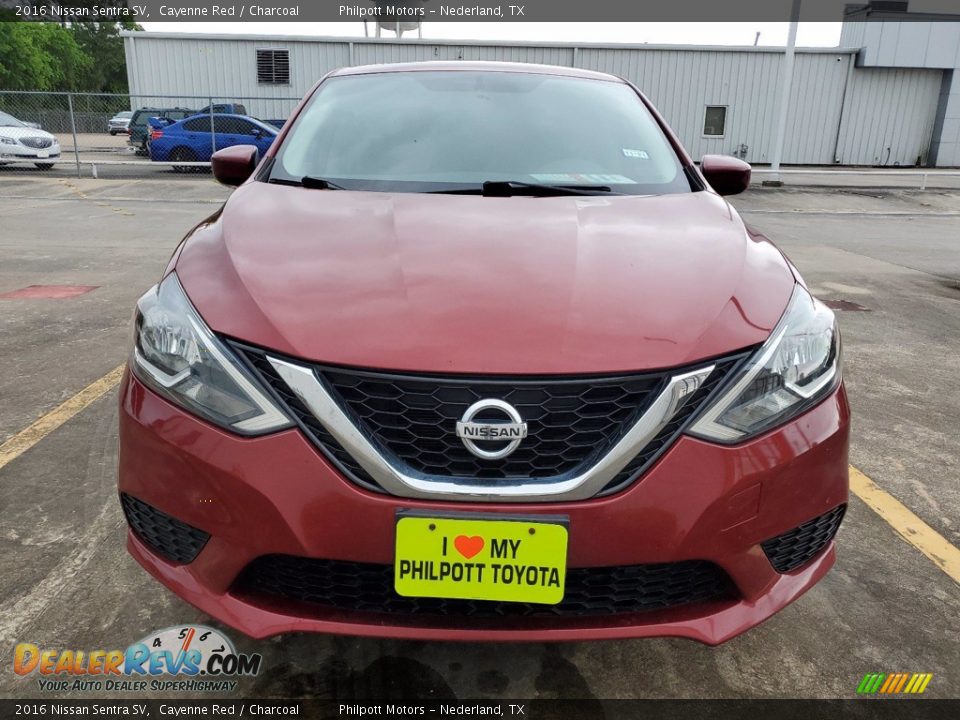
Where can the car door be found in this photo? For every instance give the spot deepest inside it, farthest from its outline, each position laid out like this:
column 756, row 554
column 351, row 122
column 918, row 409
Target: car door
column 231, row 130
column 196, row 136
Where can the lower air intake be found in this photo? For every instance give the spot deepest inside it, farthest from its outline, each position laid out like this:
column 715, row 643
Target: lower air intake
column 789, row 551
column 165, row 535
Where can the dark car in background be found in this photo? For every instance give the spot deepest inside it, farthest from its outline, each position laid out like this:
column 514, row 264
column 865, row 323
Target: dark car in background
column 138, row 129
column 195, row 138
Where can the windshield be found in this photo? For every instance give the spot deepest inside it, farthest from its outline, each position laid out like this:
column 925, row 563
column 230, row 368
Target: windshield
column 437, row 131
column 124, row 115
column 9, row 120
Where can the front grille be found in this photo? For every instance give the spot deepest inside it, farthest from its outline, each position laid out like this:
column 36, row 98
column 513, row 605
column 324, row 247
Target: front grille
column 164, row 534
column 794, row 548
column 36, row 142
column 572, row 421
column 368, row 587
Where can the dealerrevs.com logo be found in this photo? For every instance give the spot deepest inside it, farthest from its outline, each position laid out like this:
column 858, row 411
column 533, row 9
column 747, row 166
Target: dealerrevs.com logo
column 188, row 658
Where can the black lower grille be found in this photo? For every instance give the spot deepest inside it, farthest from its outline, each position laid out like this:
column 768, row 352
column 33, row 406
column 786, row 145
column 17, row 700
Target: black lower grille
column 368, row 587
column 166, row 536
column 792, row 549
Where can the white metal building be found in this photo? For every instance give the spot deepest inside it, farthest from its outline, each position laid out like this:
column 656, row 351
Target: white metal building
column 865, row 104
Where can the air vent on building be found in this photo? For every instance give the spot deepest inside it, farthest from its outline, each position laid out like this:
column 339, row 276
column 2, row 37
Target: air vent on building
column 273, row 67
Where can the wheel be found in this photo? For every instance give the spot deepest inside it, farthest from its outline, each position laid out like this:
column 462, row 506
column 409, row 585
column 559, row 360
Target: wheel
column 112, row 133
column 44, row 166
column 182, row 154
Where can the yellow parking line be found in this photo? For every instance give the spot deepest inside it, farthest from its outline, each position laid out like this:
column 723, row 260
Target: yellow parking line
column 911, row 528
column 34, row 433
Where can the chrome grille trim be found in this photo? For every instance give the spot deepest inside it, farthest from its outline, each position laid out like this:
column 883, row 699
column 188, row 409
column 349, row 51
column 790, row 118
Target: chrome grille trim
column 305, row 383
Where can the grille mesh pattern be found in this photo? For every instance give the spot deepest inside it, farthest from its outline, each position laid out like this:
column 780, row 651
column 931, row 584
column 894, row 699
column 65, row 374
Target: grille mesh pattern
column 167, row 536
column 36, row 142
column 792, row 549
column 570, row 422
column 368, row 587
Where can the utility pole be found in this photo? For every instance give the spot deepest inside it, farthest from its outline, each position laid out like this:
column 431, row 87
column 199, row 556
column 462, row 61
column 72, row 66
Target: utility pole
column 785, row 83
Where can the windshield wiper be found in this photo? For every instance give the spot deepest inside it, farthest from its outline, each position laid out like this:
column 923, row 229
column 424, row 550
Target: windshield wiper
column 307, row 181
column 508, row 188
column 319, row 183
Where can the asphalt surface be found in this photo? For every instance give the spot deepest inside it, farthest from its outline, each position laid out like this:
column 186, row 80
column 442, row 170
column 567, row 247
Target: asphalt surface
column 67, row 581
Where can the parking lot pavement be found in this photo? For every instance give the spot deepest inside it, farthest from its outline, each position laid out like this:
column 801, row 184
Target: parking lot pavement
column 892, row 259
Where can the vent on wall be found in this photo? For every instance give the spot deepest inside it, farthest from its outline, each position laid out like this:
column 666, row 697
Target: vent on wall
column 273, row 67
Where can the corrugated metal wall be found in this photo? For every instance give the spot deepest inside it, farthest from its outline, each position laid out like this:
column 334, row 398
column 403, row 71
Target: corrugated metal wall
column 888, row 117
column 838, row 113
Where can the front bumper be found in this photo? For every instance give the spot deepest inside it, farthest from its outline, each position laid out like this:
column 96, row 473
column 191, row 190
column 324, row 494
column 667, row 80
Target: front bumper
column 19, row 153
column 277, row 495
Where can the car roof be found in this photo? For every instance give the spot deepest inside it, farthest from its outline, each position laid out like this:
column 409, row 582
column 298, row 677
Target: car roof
column 475, row 66
column 220, row 116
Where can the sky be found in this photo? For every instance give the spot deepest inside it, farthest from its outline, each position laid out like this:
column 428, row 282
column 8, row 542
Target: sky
column 809, row 34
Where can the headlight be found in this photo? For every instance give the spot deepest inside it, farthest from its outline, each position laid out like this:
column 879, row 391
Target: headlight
column 180, row 358
column 797, row 366
column 7, row 141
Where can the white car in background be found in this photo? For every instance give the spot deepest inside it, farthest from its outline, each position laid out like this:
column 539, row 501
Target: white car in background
column 20, row 142
column 119, row 122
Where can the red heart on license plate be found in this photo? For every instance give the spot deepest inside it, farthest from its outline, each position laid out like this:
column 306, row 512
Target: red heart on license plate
column 468, row 546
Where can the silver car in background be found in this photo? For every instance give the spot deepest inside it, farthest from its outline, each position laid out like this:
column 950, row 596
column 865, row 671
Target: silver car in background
column 119, row 122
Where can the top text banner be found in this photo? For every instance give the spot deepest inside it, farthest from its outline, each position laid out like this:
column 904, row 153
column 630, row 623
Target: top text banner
column 385, row 11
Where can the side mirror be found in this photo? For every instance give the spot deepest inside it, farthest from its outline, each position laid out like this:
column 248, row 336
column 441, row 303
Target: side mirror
column 233, row 165
column 727, row 175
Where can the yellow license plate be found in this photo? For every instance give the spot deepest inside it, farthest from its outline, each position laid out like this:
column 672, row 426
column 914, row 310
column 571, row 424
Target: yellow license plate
column 516, row 560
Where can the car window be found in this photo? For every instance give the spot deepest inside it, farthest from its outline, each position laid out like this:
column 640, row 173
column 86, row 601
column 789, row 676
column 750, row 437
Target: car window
column 197, row 124
column 416, row 131
column 234, row 126
column 7, row 120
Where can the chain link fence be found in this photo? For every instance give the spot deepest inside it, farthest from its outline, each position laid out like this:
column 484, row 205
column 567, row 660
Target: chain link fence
column 107, row 135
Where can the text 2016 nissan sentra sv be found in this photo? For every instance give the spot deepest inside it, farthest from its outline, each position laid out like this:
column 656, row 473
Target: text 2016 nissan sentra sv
column 476, row 352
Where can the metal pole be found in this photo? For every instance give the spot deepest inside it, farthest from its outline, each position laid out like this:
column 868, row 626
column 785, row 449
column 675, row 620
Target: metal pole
column 213, row 131
column 785, row 82
column 73, row 131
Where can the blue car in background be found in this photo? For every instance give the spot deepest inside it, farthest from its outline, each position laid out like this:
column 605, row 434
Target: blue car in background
column 191, row 139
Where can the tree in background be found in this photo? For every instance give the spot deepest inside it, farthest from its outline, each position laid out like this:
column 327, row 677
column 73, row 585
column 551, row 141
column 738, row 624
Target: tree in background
column 42, row 56
column 77, row 56
column 101, row 42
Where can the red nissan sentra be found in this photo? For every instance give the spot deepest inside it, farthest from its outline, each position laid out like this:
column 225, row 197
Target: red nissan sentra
column 476, row 352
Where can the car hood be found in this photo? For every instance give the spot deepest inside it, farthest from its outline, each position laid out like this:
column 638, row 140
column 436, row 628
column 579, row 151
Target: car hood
column 11, row 131
column 448, row 283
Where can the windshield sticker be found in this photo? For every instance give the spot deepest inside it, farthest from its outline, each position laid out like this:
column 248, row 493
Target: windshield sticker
column 641, row 154
column 582, row 179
